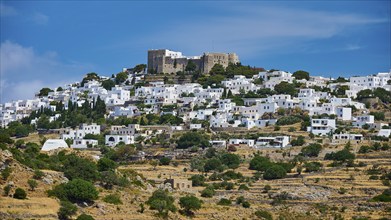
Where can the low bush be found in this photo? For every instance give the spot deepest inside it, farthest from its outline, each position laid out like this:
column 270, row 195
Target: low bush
column 224, row 202
column 243, row 187
column 263, row 214
column 113, row 199
column 20, row 193
column 67, row 209
column 85, row 217
column 208, row 192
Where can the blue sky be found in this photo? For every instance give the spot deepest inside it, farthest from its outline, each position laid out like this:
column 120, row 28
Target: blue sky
column 50, row 43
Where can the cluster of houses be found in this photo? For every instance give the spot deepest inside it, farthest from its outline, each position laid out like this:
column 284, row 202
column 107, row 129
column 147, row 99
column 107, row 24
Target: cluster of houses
column 195, row 104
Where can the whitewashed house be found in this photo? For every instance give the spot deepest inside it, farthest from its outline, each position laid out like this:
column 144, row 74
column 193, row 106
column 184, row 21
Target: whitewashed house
column 384, row 133
column 322, row 127
column 84, row 143
column 259, row 123
column 81, row 131
column 129, row 111
column 248, row 142
column 113, row 139
column 361, row 120
column 346, row 137
column 278, row 141
column 195, row 126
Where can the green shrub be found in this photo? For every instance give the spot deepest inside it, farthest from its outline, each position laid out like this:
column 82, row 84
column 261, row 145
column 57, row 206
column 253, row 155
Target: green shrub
column 288, row 120
column 364, row 149
column 33, row 184
column 342, row 190
column 7, row 189
column 300, row 141
column 224, row 202
column 312, row 166
column 231, row 160
column 164, row 161
column 76, row 190
column 105, row 164
column 260, row 163
column 38, row 174
column 190, row 204
column 341, row 156
column 213, row 164
column 240, row 200
column 263, row 214
column 274, row 172
column 20, row 193
column 80, row 168
column 208, row 192
column 162, row 202
column 228, row 185
column 267, row 188
column 231, row 175
column 197, row 180
column 384, row 197
column 311, row 150
column 113, row 199
column 85, row 217
column 6, row 173
column 243, row 187
column 292, row 129
column 191, row 139
column 67, row 209
column 246, row 204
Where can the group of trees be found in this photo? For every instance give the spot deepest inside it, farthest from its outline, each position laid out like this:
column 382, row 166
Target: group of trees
column 270, row 169
column 71, row 117
column 234, row 69
column 312, row 150
column 215, row 161
column 301, row 74
column 163, row 202
column 193, row 139
column 381, row 93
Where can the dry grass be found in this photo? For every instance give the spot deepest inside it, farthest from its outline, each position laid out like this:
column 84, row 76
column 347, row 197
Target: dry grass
column 31, row 208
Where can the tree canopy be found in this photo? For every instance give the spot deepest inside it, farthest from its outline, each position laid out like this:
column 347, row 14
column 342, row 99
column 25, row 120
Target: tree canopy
column 191, row 139
column 285, row 88
column 274, row 172
column 311, row 150
column 260, row 163
column 301, row 74
column 44, row 92
column 230, row 160
column 191, row 66
column 121, row 77
column 139, row 68
column 162, row 202
column 79, row 168
column 217, row 69
column 190, row 204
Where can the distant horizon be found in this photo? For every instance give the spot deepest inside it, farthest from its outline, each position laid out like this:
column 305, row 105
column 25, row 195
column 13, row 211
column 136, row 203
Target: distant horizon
column 48, row 44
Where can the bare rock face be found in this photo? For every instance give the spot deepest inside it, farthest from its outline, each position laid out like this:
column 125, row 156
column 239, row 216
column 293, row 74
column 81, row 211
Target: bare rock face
column 47, row 180
column 150, row 187
column 101, row 207
column 5, row 159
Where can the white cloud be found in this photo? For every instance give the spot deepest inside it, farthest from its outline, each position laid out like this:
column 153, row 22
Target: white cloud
column 23, row 71
column 353, row 47
column 258, row 30
column 6, row 10
column 40, row 19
